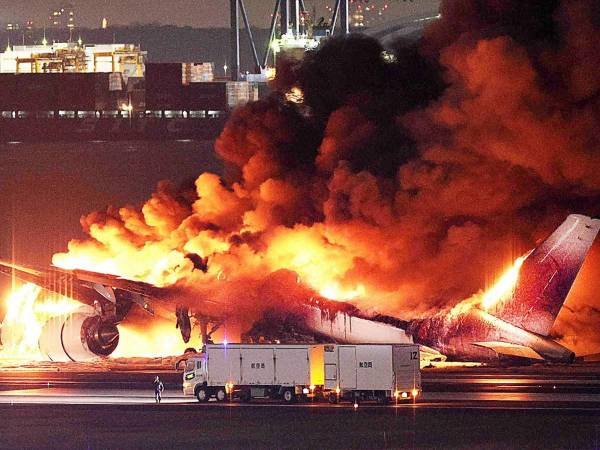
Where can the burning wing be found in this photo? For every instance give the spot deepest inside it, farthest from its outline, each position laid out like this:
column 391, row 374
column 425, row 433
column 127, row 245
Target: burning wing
column 112, row 296
column 106, row 300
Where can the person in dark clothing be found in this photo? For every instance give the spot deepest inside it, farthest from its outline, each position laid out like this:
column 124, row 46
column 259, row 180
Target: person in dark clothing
column 158, row 388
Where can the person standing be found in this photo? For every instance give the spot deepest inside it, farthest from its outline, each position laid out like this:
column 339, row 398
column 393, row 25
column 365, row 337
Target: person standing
column 158, row 388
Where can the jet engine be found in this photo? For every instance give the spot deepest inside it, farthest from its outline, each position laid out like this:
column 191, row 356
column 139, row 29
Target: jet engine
column 80, row 336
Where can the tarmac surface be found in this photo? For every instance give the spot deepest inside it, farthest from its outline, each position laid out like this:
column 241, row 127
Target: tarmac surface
column 168, row 425
column 464, row 408
column 468, row 408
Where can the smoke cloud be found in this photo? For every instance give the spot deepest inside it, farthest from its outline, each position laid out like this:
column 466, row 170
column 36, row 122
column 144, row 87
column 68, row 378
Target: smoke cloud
column 405, row 181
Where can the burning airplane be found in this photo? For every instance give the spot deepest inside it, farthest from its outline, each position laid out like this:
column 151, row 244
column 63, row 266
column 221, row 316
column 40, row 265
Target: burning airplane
column 513, row 319
column 394, row 188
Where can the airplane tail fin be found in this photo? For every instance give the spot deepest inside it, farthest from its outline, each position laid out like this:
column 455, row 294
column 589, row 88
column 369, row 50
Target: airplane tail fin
column 547, row 275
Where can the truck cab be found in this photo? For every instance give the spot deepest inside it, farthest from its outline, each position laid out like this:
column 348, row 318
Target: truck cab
column 195, row 376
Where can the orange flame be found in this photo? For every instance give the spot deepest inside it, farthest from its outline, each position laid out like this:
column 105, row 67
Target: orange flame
column 25, row 317
column 335, row 291
column 28, row 311
column 504, row 286
column 158, row 340
column 500, row 290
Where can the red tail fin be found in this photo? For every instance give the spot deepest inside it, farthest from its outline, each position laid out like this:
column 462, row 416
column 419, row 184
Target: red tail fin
column 547, row 275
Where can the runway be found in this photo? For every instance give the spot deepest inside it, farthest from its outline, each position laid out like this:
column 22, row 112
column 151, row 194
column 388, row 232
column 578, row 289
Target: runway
column 579, row 388
column 485, row 408
column 191, row 425
column 107, row 396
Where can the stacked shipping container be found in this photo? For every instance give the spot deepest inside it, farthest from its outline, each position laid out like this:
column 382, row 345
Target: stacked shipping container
column 161, row 90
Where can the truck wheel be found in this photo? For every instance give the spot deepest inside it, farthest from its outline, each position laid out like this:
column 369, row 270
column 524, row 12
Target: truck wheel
column 333, row 398
column 383, row 400
column 202, row 395
column 221, row 395
column 246, row 396
column 289, row 396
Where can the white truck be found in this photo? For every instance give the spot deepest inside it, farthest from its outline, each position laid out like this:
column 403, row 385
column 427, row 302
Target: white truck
column 247, row 371
column 380, row 372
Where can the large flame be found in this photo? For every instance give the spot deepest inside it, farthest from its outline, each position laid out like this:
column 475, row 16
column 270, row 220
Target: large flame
column 158, row 339
column 504, row 286
column 27, row 312
column 499, row 291
column 28, row 309
column 320, row 264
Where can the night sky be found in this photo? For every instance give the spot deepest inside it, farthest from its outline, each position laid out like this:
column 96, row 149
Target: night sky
column 198, row 13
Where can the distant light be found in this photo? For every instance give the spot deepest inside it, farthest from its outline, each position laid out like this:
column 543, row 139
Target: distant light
column 388, row 57
column 305, row 390
column 275, row 46
column 415, row 392
column 355, row 405
column 104, row 24
column 405, row 395
column 224, row 341
column 295, row 95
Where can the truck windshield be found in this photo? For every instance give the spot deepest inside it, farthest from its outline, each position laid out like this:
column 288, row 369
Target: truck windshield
column 189, row 366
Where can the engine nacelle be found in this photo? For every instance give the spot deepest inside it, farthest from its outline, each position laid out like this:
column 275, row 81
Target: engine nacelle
column 78, row 337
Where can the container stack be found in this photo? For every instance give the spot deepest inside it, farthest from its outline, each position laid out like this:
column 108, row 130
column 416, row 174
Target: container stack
column 241, row 92
column 197, row 72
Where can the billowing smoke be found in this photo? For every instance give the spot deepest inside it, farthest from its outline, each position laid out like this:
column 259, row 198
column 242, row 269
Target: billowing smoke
column 404, row 181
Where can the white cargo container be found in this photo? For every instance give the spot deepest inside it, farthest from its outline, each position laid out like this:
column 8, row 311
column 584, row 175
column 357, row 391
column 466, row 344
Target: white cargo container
column 247, row 371
column 378, row 372
column 197, row 72
column 241, row 92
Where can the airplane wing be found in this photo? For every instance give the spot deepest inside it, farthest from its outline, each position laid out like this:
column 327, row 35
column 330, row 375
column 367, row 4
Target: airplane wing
column 111, row 298
column 90, row 288
column 507, row 349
